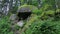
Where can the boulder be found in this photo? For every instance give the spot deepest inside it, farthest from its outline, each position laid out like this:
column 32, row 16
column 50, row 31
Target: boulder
column 25, row 11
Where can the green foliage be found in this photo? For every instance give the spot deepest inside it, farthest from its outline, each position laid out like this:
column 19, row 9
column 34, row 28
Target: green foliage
column 33, row 2
column 38, row 12
column 58, row 10
column 50, row 12
column 43, row 27
column 45, row 20
column 5, row 26
column 14, row 10
column 22, row 2
column 50, row 3
column 30, row 2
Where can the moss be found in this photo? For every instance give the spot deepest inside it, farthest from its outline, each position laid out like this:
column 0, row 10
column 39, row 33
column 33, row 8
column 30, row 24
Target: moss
column 30, row 6
column 50, row 12
column 58, row 10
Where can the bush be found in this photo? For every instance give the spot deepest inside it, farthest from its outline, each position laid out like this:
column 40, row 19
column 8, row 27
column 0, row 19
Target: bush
column 37, row 12
column 43, row 27
column 32, row 2
column 5, row 26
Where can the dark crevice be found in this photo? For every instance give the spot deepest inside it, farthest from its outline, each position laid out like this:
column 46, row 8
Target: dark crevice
column 23, row 15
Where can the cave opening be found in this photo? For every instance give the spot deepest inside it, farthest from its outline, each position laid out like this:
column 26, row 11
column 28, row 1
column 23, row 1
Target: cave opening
column 23, row 15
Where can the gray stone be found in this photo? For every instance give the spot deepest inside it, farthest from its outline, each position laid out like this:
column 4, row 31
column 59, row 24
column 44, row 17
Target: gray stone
column 13, row 17
column 24, row 9
column 20, row 23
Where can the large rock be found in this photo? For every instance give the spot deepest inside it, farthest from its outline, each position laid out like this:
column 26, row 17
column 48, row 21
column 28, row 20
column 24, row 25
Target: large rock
column 25, row 11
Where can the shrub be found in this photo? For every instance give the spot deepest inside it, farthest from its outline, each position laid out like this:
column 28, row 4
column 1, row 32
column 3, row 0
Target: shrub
column 5, row 26
column 43, row 27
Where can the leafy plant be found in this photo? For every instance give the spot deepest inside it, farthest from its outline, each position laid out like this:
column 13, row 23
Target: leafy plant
column 43, row 27
column 5, row 26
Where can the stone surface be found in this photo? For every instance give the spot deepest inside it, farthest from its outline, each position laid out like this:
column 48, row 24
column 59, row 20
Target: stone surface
column 13, row 17
column 24, row 9
column 24, row 12
column 20, row 23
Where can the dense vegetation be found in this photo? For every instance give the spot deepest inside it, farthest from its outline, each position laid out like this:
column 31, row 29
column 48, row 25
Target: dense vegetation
column 45, row 18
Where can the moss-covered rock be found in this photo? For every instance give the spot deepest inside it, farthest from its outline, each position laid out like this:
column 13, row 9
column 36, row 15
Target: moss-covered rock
column 25, row 11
